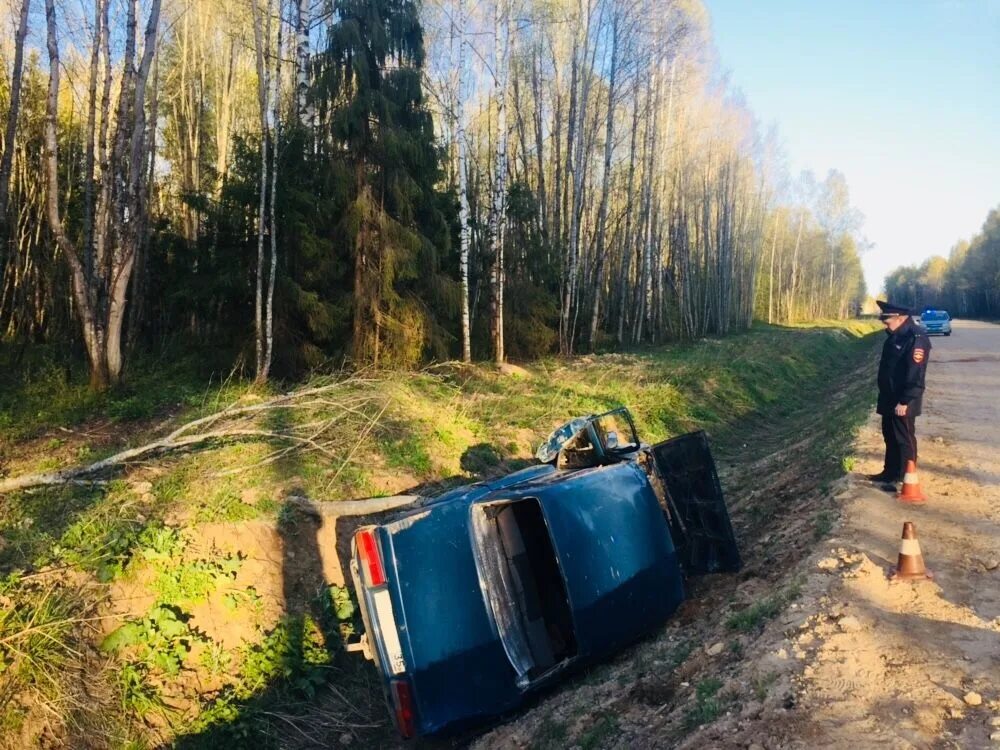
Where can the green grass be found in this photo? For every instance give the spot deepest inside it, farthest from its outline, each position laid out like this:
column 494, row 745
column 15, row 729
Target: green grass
column 46, row 389
column 823, row 524
column 39, row 643
column 756, row 615
column 455, row 421
column 410, row 453
column 708, row 705
column 550, row 735
column 762, row 684
column 605, row 727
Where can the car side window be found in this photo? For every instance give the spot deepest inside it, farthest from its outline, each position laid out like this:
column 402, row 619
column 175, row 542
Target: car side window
column 577, row 452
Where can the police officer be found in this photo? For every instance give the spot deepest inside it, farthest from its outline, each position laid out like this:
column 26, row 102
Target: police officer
column 901, row 373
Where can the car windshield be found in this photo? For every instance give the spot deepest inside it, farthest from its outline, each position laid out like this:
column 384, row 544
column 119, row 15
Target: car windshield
column 935, row 315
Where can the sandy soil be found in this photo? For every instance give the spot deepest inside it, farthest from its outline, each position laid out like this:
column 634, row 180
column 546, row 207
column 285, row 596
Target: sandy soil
column 873, row 663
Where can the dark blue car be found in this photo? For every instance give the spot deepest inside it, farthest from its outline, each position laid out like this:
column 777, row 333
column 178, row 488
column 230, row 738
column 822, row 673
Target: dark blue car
column 478, row 597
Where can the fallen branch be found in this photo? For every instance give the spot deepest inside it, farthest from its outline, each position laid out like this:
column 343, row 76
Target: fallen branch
column 235, row 422
column 348, row 508
column 374, row 421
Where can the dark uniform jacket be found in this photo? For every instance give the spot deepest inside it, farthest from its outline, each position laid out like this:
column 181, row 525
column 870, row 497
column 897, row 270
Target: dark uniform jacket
column 902, row 369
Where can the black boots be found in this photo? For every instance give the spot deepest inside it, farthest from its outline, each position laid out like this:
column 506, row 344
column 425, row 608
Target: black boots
column 882, row 476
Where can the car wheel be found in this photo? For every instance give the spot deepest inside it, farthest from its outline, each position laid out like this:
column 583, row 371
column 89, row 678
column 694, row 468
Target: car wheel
column 948, row 334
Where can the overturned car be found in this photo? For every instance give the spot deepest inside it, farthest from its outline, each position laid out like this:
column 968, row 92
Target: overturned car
column 477, row 598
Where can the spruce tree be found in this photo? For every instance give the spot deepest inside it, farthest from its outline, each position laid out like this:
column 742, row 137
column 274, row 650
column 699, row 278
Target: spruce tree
column 395, row 225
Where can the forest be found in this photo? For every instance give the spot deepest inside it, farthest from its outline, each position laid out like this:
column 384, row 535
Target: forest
column 290, row 184
column 966, row 283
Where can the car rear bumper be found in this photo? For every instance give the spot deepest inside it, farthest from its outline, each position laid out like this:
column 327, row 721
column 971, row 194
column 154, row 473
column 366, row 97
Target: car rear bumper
column 382, row 644
column 379, row 618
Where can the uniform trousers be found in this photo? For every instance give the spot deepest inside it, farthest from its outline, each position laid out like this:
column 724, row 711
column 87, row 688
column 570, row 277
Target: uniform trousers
column 900, row 436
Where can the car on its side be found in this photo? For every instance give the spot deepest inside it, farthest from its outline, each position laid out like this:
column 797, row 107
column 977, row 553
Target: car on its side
column 475, row 600
column 936, row 322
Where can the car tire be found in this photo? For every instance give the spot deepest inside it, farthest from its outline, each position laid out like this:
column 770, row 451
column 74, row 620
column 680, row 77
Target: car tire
column 948, row 334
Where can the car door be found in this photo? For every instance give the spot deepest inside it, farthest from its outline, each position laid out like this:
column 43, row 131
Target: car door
column 697, row 514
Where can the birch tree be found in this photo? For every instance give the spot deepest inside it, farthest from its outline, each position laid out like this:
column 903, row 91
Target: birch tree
column 463, row 187
column 268, row 55
column 101, row 294
column 14, row 108
column 501, row 41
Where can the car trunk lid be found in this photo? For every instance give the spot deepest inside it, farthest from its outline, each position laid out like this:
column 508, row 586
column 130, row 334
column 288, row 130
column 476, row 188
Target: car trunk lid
column 447, row 635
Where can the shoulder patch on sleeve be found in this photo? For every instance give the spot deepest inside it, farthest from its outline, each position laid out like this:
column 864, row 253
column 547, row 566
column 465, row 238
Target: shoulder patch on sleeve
column 918, row 355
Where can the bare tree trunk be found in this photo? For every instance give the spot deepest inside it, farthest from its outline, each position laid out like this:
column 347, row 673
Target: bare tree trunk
column 273, row 228
column 770, row 273
column 644, row 284
column 501, row 36
column 262, row 42
column 578, row 151
column 585, row 280
column 99, row 251
column 133, row 202
column 794, row 284
column 224, row 120
column 555, row 227
column 139, row 274
column 14, row 110
column 564, row 207
column 627, row 242
column 92, row 333
column 536, row 90
column 302, row 105
column 90, row 158
column 602, row 214
column 522, row 131
column 463, row 188
column 660, row 171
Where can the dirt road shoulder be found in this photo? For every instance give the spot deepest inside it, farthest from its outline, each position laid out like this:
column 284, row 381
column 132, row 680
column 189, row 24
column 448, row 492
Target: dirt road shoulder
column 880, row 664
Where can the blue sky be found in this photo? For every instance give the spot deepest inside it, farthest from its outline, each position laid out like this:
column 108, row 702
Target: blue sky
column 903, row 97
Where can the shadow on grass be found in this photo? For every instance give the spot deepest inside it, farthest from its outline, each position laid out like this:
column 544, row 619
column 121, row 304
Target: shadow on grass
column 314, row 693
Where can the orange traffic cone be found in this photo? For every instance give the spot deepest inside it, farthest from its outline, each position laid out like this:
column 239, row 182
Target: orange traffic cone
column 911, row 492
column 910, row 566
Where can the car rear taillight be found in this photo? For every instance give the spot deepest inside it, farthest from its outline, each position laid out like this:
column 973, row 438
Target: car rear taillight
column 371, row 561
column 402, row 700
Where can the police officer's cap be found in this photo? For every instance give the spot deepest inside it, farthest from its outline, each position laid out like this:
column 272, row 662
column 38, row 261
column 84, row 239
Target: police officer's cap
column 890, row 310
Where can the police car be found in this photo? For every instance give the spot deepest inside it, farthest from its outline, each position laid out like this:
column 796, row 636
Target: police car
column 936, row 321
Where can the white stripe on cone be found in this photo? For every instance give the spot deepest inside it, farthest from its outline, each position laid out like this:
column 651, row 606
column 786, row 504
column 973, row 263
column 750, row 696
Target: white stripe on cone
column 909, row 547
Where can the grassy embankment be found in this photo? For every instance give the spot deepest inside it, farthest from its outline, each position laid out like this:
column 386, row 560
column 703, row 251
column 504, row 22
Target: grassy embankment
column 138, row 609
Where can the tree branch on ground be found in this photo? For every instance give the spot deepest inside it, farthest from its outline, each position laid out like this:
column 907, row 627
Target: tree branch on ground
column 234, row 423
